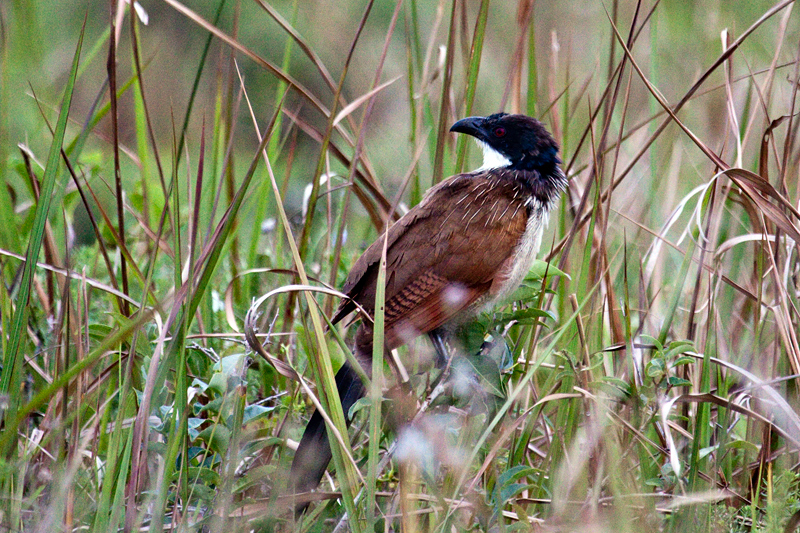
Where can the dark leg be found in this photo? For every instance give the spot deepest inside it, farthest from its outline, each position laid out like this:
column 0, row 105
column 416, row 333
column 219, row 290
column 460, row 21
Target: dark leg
column 438, row 338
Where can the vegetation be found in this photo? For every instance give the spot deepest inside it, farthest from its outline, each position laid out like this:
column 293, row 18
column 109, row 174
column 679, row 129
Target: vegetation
column 164, row 170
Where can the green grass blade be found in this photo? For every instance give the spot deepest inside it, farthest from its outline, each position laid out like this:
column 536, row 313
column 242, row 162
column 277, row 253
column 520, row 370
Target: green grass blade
column 12, row 362
column 441, row 130
column 472, row 77
column 376, row 392
column 533, row 73
column 46, row 394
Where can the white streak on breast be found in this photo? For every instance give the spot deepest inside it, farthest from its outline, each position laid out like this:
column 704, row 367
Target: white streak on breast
column 525, row 252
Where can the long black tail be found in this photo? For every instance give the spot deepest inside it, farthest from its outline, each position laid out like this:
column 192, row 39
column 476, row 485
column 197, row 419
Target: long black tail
column 314, row 453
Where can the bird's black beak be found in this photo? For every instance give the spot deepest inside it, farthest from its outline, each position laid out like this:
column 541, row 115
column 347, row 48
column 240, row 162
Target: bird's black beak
column 471, row 126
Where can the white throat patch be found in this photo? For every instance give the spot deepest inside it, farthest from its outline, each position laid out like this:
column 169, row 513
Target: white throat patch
column 492, row 158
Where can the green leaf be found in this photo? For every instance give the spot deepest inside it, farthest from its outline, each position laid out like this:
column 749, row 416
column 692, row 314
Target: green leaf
column 683, row 360
column 617, row 382
column 655, row 368
column 613, row 390
column 204, row 493
column 708, row 450
column 647, row 339
column 488, row 372
column 361, row 403
column 254, row 477
column 218, row 383
column 514, row 473
column 253, row 412
column 216, row 437
column 472, row 335
column 507, row 486
column 539, row 268
column 675, row 381
column 231, row 364
column 678, row 347
column 511, row 490
column 213, row 406
column 497, row 350
column 740, row 444
column 527, row 315
column 194, row 423
column 202, row 474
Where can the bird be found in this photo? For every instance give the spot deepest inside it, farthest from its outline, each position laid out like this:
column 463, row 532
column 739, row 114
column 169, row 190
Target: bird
column 465, row 246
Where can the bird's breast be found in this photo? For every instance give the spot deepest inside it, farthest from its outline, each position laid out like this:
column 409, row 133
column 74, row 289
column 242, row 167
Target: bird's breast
column 523, row 255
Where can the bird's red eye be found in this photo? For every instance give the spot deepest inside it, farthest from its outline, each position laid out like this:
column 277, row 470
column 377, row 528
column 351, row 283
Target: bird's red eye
column 499, row 132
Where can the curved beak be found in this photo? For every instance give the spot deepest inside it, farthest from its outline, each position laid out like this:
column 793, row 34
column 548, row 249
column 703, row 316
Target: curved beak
column 471, row 126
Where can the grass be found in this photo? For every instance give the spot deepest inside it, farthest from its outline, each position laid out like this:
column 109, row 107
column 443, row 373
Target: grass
column 169, row 255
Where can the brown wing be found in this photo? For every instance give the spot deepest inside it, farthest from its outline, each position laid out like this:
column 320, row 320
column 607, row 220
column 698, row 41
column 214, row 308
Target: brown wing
column 469, row 219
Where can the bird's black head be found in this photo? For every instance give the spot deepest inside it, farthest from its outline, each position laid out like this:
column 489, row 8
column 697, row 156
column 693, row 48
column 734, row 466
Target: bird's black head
column 516, row 142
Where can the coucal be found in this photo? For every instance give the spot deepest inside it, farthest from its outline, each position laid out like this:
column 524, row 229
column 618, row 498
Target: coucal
column 466, row 245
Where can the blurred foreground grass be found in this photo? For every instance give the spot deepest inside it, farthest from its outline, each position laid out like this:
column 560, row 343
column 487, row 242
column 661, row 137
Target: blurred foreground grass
column 649, row 382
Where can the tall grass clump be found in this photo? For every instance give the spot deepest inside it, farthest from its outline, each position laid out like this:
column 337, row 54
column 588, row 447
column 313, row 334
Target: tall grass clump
column 186, row 185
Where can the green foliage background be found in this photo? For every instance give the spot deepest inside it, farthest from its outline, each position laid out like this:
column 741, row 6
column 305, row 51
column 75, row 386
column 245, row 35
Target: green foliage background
column 645, row 377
